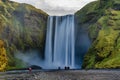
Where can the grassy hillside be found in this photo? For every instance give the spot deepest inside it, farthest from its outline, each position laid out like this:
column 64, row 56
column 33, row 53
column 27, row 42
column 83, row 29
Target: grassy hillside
column 103, row 19
column 22, row 27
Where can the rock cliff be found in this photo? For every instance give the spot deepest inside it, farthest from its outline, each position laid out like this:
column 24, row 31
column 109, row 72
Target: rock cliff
column 22, row 28
column 101, row 19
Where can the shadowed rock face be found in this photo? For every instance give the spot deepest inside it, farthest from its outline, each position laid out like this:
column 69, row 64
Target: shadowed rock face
column 104, row 33
column 22, row 27
column 35, row 67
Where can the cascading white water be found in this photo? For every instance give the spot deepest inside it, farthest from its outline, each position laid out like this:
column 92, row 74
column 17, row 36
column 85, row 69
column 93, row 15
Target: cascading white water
column 60, row 43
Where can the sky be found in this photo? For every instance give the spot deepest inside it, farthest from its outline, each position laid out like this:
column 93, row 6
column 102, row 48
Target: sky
column 57, row 7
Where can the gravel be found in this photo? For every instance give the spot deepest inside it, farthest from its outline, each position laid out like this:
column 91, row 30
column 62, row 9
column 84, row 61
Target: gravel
column 62, row 75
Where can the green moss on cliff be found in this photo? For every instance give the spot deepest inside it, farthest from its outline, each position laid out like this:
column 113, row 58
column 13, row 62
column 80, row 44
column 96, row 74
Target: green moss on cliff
column 22, row 27
column 105, row 35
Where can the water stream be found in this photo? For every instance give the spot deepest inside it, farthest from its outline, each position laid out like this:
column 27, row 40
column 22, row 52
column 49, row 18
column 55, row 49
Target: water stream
column 60, row 42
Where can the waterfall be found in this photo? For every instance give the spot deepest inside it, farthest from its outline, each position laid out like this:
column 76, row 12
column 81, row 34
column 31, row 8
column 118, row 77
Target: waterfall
column 65, row 45
column 60, row 42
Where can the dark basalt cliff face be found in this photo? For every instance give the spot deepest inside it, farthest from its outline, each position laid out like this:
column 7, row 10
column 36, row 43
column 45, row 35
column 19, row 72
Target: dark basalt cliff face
column 101, row 20
column 22, row 28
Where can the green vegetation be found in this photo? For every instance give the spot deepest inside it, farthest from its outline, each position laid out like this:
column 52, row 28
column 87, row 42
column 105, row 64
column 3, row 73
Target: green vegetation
column 22, row 27
column 103, row 17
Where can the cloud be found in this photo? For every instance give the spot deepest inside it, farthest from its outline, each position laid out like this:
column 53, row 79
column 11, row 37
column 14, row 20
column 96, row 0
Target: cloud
column 57, row 7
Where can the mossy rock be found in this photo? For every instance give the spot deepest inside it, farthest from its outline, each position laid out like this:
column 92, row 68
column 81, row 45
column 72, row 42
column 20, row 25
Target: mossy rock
column 22, row 28
column 104, row 32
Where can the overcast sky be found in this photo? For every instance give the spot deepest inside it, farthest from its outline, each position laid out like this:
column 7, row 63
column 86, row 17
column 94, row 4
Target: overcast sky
column 57, row 7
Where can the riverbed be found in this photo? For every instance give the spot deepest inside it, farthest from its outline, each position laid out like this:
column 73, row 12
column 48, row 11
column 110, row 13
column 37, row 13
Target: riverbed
column 61, row 75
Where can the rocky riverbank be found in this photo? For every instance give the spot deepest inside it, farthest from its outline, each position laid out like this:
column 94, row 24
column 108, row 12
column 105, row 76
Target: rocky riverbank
column 62, row 75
